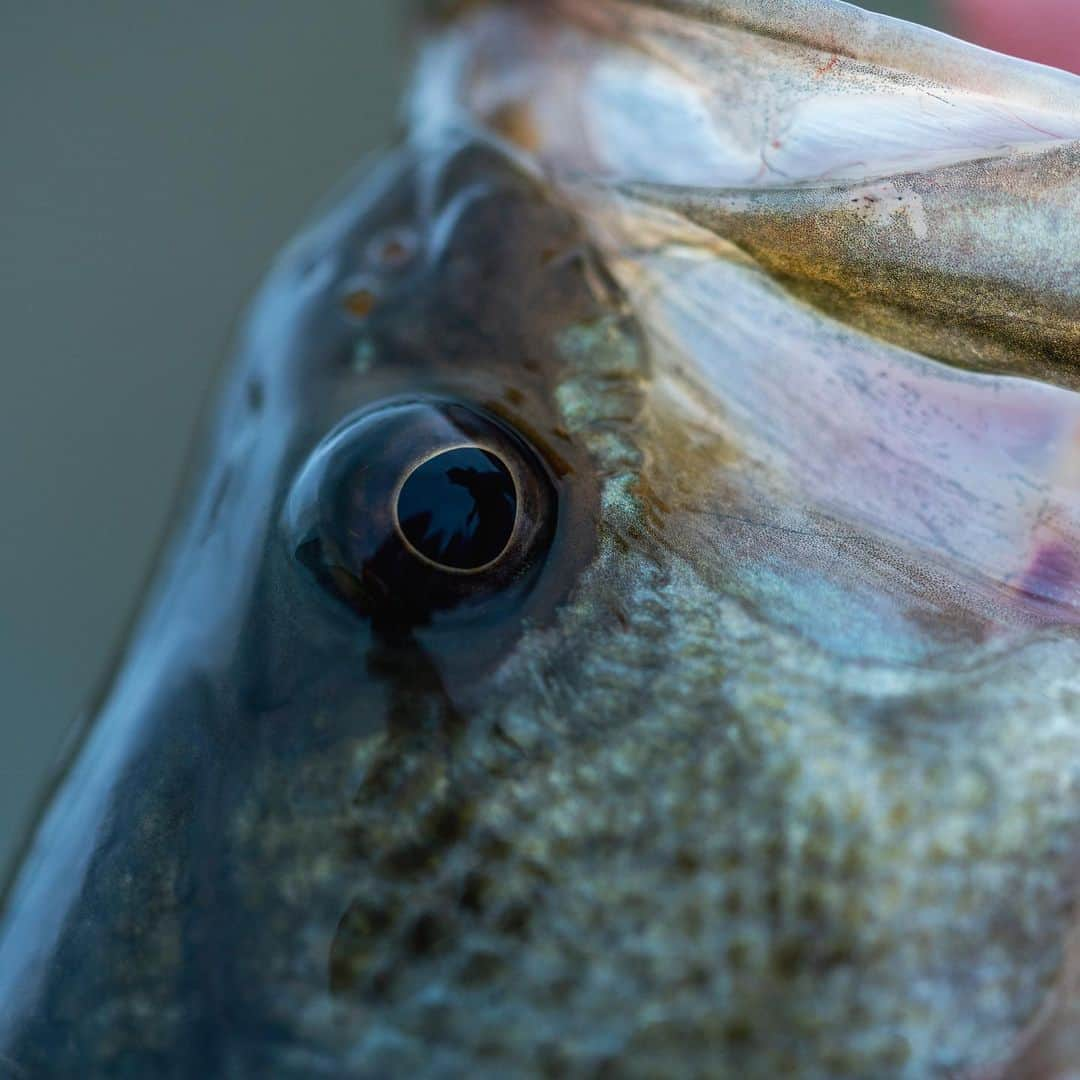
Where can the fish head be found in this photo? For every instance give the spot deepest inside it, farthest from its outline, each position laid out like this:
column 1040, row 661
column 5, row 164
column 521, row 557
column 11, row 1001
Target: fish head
column 628, row 619
column 390, row 501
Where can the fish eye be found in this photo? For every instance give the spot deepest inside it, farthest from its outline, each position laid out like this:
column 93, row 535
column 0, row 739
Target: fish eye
column 422, row 512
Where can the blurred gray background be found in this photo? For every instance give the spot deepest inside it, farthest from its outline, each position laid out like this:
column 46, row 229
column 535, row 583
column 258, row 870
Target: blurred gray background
column 154, row 158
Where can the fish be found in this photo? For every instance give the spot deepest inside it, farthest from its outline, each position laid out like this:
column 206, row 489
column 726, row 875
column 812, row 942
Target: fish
column 627, row 618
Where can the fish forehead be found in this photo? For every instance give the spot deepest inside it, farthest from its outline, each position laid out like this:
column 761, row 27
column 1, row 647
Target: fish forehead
column 400, row 285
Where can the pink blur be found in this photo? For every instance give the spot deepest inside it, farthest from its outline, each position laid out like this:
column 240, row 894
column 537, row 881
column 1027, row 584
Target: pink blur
column 1044, row 30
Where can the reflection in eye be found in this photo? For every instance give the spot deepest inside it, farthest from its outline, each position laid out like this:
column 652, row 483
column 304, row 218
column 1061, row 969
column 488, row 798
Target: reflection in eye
column 458, row 509
column 422, row 510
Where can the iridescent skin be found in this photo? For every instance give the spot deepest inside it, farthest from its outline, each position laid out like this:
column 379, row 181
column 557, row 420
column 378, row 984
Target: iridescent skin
column 775, row 771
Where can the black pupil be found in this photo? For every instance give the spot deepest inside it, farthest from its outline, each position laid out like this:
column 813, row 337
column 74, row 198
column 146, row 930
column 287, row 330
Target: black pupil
column 458, row 508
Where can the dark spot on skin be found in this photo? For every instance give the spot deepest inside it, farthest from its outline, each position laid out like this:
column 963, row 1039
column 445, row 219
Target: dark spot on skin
column 515, row 920
column 474, row 892
column 739, row 1032
column 810, row 907
column 773, row 901
column 447, row 825
column 687, row 862
column 410, row 861
column 417, row 686
column 356, row 842
column 481, row 967
column 382, row 982
column 553, row 1061
column 256, row 394
column 493, row 847
column 425, row 934
column 737, row 956
column 838, row 956
column 900, row 1051
column 788, row 959
column 621, row 617
column 358, row 933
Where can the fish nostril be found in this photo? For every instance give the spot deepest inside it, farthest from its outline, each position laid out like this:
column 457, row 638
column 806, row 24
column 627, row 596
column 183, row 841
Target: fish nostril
column 458, row 509
column 360, row 301
column 393, row 249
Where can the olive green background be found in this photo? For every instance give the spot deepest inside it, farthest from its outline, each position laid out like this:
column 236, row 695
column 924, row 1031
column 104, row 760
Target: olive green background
column 154, row 157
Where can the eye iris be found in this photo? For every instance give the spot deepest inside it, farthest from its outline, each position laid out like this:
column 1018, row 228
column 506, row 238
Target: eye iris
column 458, row 508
